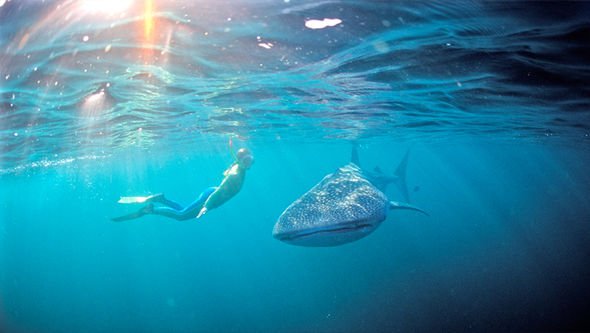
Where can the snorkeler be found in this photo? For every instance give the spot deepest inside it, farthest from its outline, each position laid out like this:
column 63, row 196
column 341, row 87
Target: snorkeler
column 210, row 198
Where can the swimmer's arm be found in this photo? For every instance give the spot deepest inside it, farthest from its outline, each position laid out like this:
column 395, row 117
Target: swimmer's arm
column 218, row 192
column 232, row 152
column 231, row 149
column 232, row 170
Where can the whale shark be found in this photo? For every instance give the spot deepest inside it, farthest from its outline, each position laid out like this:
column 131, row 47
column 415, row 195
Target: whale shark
column 342, row 208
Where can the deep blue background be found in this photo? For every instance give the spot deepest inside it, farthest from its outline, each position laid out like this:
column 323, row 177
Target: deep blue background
column 505, row 247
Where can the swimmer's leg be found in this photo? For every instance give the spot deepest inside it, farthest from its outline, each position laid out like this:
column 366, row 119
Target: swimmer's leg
column 189, row 211
column 173, row 210
column 160, row 198
column 148, row 209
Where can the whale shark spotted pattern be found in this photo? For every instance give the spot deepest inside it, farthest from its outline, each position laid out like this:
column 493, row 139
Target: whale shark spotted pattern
column 341, row 208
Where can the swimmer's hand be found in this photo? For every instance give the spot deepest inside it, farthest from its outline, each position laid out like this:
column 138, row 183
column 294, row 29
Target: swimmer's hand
column 202, row 212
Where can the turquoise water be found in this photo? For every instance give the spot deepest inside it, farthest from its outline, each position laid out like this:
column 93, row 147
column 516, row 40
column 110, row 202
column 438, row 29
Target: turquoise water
column 102, row 99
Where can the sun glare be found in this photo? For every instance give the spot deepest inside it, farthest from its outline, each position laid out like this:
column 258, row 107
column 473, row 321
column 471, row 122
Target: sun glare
column 148, row 19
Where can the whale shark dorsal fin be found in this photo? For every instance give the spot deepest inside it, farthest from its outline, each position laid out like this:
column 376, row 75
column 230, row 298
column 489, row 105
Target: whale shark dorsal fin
column 403, row 205
column 400, row 175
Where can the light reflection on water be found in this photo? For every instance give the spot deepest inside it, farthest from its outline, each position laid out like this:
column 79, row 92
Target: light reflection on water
column 82, row 76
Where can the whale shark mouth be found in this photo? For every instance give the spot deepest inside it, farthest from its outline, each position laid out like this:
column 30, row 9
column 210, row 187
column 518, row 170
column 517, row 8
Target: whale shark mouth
column 328, row 230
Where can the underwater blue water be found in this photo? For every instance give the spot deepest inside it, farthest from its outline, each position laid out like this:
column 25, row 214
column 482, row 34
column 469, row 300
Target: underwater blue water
column 102, row 99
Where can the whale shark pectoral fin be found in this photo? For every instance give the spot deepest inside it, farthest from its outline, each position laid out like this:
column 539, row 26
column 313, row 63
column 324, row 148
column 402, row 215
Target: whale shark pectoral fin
column 403, row 205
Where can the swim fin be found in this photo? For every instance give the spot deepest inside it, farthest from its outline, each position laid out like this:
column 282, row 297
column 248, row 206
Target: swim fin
column 127, row 217
column 135, row 200
column 141, row 212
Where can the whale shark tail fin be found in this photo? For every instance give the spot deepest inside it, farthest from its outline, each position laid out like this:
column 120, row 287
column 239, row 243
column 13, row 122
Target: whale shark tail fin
column 400, row 177
column 403, row 205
